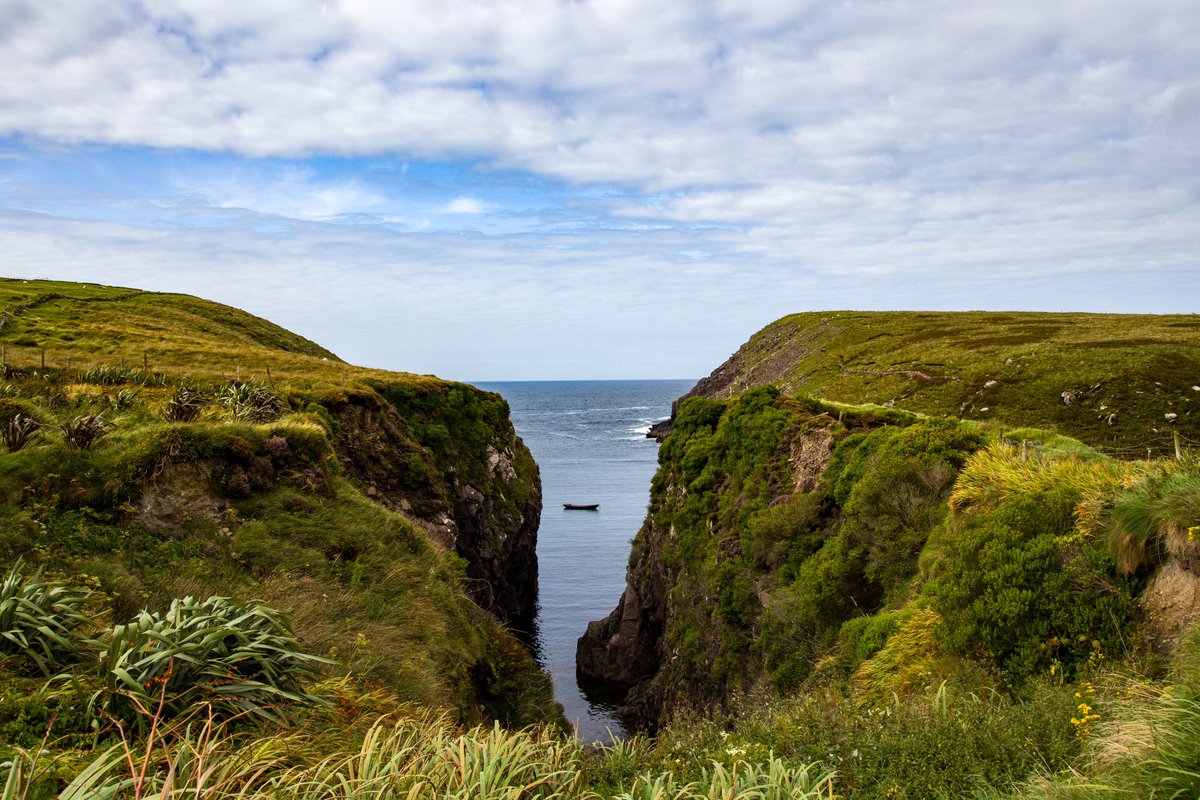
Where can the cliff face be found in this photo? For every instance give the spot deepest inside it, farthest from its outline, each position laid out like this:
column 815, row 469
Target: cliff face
column 772, row 522
column 695, row 578
column 624, row 651
column 462, row 472
column 792, row 543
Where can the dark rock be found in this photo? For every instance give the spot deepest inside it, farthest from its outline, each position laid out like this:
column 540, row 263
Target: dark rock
column 623, row 651
column 476, row 509
column 660, row 430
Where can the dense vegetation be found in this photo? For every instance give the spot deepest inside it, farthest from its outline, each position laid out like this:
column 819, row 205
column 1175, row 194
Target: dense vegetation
column 929, row 605
column 872, row 550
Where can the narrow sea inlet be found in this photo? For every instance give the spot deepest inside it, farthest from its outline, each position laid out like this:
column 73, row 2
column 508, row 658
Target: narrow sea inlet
column 589, row 440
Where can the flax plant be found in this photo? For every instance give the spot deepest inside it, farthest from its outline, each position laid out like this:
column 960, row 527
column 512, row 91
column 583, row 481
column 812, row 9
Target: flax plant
column 19, row 431
column 43, row 621
column 772, row 780
column 241, row 656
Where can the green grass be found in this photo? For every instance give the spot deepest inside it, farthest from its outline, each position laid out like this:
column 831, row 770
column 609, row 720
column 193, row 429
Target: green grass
column 1009, row 368
column 256, row 489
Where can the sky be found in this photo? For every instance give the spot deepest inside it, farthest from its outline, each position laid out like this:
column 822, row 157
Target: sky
column 582, row 189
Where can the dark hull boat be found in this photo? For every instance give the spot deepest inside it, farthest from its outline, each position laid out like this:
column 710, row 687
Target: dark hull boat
column 581, row 507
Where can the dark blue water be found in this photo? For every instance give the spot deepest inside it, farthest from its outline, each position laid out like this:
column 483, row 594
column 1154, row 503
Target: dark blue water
column 589, row 439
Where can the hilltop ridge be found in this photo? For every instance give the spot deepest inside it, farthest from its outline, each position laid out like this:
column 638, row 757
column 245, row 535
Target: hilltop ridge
column 1121, row 382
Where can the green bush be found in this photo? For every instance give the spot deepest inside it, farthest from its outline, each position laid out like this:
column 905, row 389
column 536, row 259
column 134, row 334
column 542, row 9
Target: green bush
column 251, row 402
column 862, row 637
column 1019, row 591
column 1152, row 518
column 892, row 485
column 185, row 405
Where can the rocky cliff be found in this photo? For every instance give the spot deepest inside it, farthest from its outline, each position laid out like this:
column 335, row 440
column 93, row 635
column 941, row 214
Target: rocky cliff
column 792, row 540
column 474, row 485
column 704, row 564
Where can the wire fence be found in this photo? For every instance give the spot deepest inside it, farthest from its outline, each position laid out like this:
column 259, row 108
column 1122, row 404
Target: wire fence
column 1170, row 445
column 16, row 361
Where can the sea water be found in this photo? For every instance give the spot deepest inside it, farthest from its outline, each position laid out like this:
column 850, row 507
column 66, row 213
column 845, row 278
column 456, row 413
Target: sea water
column 589, row 440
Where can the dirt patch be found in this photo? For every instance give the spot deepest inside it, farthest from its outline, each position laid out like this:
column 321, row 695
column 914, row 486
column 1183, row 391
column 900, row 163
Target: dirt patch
column 1170, row 602
column 181, row 494
column 809, row 456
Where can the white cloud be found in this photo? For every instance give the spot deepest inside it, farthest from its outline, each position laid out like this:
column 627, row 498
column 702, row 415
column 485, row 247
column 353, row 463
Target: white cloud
column 835, row 152
column 465, row 205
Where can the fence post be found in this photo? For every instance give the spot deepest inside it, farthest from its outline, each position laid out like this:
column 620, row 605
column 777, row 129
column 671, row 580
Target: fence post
column 43, row 358
column 1178, row 452
column 270, row 382
column 1024, row 453
column 145, row 363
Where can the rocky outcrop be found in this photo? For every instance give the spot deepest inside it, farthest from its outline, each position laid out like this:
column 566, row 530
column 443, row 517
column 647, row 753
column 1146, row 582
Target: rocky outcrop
column 742, row 573
column 478, row 495
column 629, row 653
column 623, row 651
column 498, row 538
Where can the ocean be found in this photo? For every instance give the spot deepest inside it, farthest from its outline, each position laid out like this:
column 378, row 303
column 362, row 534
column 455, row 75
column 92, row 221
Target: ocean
column 589, row 439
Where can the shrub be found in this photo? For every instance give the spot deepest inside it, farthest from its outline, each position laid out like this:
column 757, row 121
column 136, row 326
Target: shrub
column 185, row 405
column 893, row 489
column 1018, row 590
column 42, row 621
column 19, row 431
column 251, row 402
column 862, row 637
column 84, row 431
column 123, row 400
column 241, row 657
column 1153, row 517
column 911, row 659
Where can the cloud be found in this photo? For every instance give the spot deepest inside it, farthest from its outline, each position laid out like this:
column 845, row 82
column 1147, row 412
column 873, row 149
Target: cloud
column 464, row 205
column 657, row 94
column 774, row 155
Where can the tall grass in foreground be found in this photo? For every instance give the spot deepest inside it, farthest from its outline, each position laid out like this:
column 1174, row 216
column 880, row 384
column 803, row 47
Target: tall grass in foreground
column 399, row 756
column 1148, row 747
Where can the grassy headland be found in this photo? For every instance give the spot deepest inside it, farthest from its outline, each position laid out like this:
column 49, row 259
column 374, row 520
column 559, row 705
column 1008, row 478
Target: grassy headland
column 177, row 447
column 1110, row 380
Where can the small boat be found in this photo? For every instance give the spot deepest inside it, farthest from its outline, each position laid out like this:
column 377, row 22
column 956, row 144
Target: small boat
column 581, row 506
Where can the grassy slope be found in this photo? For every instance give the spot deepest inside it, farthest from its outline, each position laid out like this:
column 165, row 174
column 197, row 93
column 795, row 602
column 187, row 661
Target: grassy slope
column 940, row 364
column 233, row 515
column 175, row 334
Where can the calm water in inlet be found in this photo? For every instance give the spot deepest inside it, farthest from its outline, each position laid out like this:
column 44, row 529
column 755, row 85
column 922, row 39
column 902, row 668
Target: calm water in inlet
column 589, row 439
